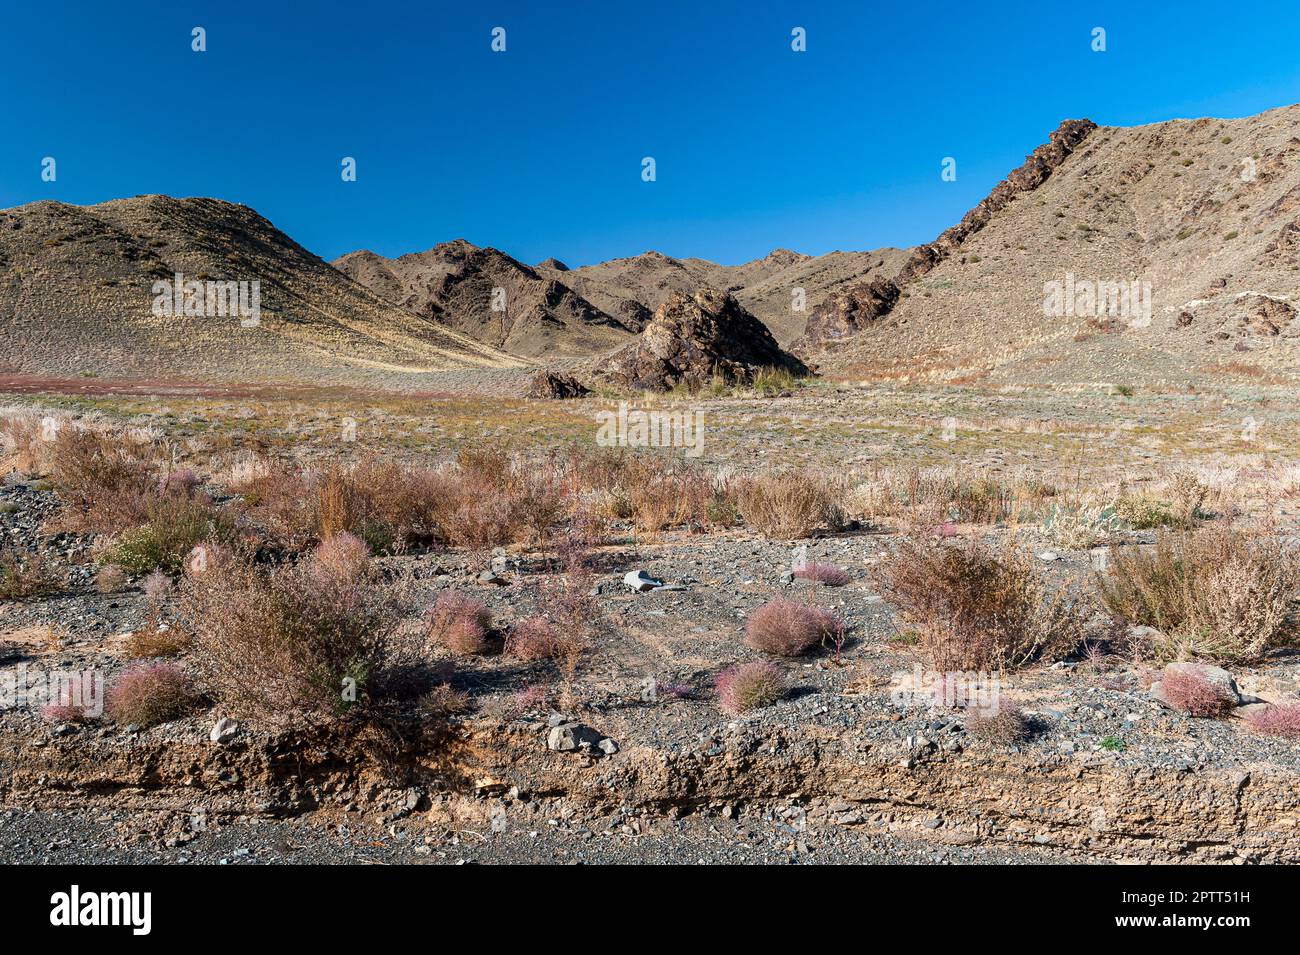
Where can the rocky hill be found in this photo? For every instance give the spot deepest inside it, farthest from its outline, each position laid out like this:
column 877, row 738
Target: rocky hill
column 1160, row 255
column 139, row 288
column 492, row 298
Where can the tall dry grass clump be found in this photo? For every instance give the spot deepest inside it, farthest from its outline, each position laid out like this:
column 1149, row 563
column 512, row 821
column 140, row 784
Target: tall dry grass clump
column 977, row 608
column 791, row 504
column 296, row 642
column 1219, row 594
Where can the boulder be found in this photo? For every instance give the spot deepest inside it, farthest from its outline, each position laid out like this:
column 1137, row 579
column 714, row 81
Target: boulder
column 553, row 385
column 692, row 339
column 570, row 737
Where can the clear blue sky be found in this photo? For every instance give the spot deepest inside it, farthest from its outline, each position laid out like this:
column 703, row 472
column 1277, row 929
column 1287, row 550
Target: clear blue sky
column 538, row 150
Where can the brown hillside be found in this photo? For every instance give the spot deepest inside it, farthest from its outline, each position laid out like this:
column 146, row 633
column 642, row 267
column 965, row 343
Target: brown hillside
column 77, row 296
column 1206, row 211
column 456, row 283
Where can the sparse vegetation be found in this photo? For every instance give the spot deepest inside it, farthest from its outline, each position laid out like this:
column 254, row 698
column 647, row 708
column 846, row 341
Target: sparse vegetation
column 974, row 608
column 294, row 642
column 460, row 624
column 1217, row 594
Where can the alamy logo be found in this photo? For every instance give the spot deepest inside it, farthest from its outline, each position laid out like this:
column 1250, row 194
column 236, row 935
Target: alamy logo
column 1085, row 298
column 76, row 692
column 934, row 690
column 636, row 428
column 224, row 299
column 103, row 908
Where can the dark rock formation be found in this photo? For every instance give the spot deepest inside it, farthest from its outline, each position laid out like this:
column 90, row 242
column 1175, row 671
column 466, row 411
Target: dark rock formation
column 551, row 384
column 692, row 338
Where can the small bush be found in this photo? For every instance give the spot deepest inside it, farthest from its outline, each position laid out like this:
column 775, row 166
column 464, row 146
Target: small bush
column 787, row 628
column 460, row 624
column 826, row 574
column 154, row 641
column 749, row 686
column 1283, row 721
column 1007, row 726
column 150, row 694
column 24, row 577
column 1219, row 594
column 533, row 638
column 974, row 608
column 791, row 504
column 1186, row 690
column 175, row 525
column 295, row 642
column 110, row 579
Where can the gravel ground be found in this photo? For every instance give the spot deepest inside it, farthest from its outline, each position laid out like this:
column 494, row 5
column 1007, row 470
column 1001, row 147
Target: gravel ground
column 30, row 837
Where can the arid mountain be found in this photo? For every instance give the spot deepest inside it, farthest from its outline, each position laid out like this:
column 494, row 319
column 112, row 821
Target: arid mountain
column 491, row 297
column 1157, row 254
column 633, row 288
column 78, row 295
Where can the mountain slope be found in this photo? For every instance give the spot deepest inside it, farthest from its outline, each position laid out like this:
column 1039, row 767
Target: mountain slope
column 77, row 294
column 633, row 288
column 490, row 297
column 1203, row 215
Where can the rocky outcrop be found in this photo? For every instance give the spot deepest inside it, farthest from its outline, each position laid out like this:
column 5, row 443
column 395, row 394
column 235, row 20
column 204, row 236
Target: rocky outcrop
column 692, row 339
column 843, row 313
column 553, row 385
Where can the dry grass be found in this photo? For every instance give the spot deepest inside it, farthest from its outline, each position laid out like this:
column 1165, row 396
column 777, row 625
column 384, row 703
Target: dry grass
column 1189, row 691
column 149, row 694
column 1282, row 721
column 24, row 576
column 787, row 505
column 1007, row 726
column 975, row 608
column 1218, row 594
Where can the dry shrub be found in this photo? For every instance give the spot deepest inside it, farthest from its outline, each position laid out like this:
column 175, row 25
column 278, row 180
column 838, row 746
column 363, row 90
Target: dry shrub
column 787, row 628
column 22, row 439
column 932, row 496
column 460, row 623
column 295, row 642
column 110, row 579
column 149, row 694
column 566, row 603
column 104, row 481
column 155, row 641
column 1186, row 690
column 1005, row 726
column 1283, row 721
column 791, row 504
column 1218, row 594
column 23, row 576
column 174, row 525
column 534, row 638
column 978, row 609
column 828, row 575
column 749, row 686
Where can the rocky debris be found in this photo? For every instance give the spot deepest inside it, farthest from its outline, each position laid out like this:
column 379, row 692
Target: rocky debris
column 491, row 578
column 224, row 730
column 554, row 385
column 1216, row 676
column 845, row 312
column 692, row 339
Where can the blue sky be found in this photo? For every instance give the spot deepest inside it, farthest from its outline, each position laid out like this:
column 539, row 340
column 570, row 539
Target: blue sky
column 538, row 150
